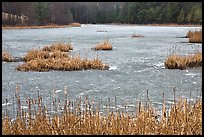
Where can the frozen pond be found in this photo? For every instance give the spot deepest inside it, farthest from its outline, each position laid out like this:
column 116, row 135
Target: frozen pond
column 136, row 64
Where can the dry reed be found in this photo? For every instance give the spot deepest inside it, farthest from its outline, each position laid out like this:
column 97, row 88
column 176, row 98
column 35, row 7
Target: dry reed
column 75, row 24
column 195, row 36
column 52, row 58
column 136, row 35
column 182, row 62
column 105, row 45
column 65, row 64
column 6, row 57
column 102, row 31
column 40, row 54
column 184, row 118
column 58, row 46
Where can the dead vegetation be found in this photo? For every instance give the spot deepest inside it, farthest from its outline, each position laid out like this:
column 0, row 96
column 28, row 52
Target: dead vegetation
column 182, row 62
column 195, row 36
column 6, row 56
column 52, row 25
column 183, row 118
column 62, row 63
column 102, row 31
column 75, row 24
column 105, row 45
column 41, row 54
column 55, row 57
column 58, row 46
column 136, row 35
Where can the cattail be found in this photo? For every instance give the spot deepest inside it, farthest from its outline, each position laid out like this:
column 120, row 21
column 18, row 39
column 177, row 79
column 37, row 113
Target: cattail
column 182, row 119
column 163, row 109
column 17, row 89
column 65, row 90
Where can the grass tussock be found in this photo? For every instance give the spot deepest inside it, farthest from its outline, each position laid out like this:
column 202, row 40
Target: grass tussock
column 136, row 35
column 62, row 63
column 58, row 46
column 195, row 36
column 52, row 58
column 41, row 54
column 6, row 56
column 182, row 62
column 105, row 45
column 183, row 118
column 52, row 25
column 102, row 31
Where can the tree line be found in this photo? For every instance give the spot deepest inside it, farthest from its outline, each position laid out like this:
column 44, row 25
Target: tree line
column 41, row 13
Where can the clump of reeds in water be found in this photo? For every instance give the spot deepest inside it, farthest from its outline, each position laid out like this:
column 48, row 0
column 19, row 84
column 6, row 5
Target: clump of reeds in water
column 183, row 118
column 40, row 54
column 52, row 58
column 105, row 45
column 6, row 56
column 102, row 31
column 136, row 35
column 58, row 46
column 68, row 63
column 182, row 62
column 195, row 36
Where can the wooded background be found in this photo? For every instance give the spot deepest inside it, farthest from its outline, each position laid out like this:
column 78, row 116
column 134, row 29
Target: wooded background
column 42, row 13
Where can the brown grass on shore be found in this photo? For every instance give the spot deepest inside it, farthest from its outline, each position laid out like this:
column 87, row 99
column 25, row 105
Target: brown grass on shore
column 75, row 24
column 58, row 46
column 103, row 46
column 162, row 24
column 6, row 56
column 183, row 118
column 195, row 36
column 175, row 25
column 183, row 62
column 42, row 26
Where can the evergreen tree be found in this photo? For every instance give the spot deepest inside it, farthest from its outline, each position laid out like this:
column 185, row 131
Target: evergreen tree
column 42, row 13
column 181, row 17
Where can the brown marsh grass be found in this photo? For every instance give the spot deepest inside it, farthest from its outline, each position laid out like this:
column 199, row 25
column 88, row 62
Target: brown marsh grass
column 6, row 56
column 58, row 46
column 182, row 62
column 75, row 24
column 136, row 35
column 183, row 118
column 65, row 64
column 105, row 45
column 41, row 54
column 195, row 36
column 102, row 31
column 52, row 25
column 52, row 58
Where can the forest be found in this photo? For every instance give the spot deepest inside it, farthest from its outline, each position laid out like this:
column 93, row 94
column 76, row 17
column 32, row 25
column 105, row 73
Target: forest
column 60, row 13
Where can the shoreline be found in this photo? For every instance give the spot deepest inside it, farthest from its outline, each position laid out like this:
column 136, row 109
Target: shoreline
column 6, row 27
column 79, row 25
column 165, row 24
